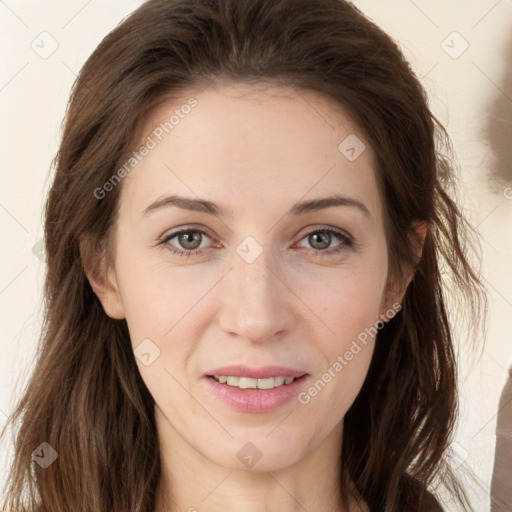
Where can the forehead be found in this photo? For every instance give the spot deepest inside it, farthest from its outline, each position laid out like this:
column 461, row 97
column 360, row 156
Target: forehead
column 251, row 144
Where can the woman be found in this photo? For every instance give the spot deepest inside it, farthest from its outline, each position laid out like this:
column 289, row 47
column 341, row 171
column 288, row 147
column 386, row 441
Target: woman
column 244, row 241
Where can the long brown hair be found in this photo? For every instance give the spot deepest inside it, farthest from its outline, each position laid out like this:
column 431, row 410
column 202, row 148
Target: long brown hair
column 86, row 398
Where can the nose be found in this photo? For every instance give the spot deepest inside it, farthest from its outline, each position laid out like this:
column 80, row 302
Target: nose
column 258, row 303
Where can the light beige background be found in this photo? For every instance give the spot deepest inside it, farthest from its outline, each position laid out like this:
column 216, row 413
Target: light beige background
column 470, row 93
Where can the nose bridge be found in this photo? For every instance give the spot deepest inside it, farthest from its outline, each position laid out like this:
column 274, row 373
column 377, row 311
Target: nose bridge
column 255, row 279
column 258, row 304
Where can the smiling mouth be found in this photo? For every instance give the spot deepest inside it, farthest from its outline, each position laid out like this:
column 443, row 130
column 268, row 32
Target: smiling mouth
column 250, row 383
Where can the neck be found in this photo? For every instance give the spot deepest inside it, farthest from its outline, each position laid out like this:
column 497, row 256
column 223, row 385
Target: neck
column 191, row 482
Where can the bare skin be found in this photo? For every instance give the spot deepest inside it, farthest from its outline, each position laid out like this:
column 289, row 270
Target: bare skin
column 256, row 154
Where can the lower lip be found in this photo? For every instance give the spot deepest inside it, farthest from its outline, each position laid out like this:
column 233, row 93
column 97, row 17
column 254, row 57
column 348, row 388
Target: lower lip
column 256, row 400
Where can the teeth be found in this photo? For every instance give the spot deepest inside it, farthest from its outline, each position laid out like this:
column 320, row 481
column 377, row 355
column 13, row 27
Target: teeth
column 248, row 383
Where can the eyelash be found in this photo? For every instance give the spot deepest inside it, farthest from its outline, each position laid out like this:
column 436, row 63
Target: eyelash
column 347, row 242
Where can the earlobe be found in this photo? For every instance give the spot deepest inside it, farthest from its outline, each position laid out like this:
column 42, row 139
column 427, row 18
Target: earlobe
column 101, row 277
column 391, row 304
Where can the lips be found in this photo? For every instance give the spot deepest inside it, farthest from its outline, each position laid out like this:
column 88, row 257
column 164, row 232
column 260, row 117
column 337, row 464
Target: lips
column 242, row 395
column 255, row 400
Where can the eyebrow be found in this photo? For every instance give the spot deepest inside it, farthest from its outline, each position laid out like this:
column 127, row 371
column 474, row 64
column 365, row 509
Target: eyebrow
column 211, row 208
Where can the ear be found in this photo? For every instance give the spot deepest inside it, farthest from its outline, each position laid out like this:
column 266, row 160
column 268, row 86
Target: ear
column 101, row 276
column 419, row 233
column 395, row 291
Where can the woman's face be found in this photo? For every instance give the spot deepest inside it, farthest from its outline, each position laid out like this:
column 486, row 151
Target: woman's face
column 255, row 282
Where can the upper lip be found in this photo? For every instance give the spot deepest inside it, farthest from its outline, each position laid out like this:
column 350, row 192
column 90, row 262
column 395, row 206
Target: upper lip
column 256, row 373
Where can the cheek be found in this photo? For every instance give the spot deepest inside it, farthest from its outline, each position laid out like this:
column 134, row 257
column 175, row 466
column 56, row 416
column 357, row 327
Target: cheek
column 346, row 355
column 349, row 305
column 347, row 301
column 157, row 296
column 162, row 304
column 159, row 303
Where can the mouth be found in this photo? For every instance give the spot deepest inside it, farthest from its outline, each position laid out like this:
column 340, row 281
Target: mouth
column 251, row 383
column 255, row 390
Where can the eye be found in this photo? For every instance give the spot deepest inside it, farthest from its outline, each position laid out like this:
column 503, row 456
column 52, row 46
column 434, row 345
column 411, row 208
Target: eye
column 321, row 239
column 189, row 239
